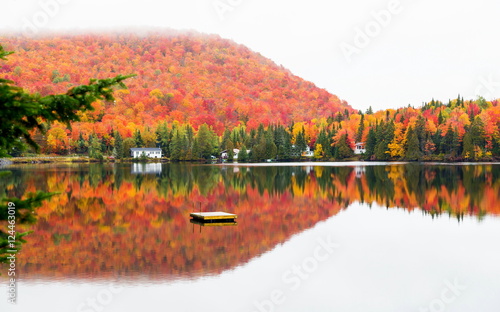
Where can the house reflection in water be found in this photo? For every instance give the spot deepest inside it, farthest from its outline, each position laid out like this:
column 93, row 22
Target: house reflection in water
column 360, row 171
column 149, row 168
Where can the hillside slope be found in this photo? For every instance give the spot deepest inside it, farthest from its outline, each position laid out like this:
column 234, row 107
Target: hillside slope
column 192, row 78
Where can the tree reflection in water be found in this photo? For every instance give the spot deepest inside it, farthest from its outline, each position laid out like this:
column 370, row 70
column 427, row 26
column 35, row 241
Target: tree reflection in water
column 114, row 220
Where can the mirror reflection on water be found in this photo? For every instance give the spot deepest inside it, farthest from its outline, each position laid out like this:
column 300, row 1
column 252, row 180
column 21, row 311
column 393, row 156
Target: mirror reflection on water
column 326, row 237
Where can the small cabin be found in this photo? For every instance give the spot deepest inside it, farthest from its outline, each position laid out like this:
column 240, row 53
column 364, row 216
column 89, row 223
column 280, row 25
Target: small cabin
column 224, row 154
column 148, row 152
column 308, row 152
column 359, row 148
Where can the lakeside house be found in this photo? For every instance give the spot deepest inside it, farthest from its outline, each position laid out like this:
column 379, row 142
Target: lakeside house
column 151, row 152
column 224, row 154
column 359, row 148
column 308, row 152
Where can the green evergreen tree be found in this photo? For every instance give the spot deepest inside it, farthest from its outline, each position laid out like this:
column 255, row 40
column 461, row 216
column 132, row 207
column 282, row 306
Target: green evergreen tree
column 226, row 138
column 343, row 150
column 163, row 138
column 81, row 145
column 176, row 146
column 207, row 142
column 258, row 152
column 447, row 141
column 184, row 148
column 196, row 150
column 95, row 147
column 325, row 140
column 300, row 142
column 385, row 135
column 468, row 149
column 139, row 142
column 361, row 129
column 287, row 148
column 128, row 143
column 230, row 151
column 252, row 139
column 440, row 118
column 283, row 143
column 243, row 155
column 188, row 143
column 118, row 147
column 421, row 132
column 270, row 147
column 477, row 132
column 371, row 142
column 412, row 151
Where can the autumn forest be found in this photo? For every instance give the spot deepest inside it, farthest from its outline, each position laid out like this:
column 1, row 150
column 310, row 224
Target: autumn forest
column 196, row 95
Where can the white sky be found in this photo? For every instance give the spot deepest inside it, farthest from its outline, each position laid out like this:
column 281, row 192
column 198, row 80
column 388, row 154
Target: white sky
column 423, row 49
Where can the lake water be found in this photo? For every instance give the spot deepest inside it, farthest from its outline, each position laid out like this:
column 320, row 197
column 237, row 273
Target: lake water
column 309, row 237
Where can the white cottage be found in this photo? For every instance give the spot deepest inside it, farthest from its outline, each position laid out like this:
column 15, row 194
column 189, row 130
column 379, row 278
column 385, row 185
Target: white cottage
column 308, row 152
column 224, row 154
column 359, row 148
column 149, row 152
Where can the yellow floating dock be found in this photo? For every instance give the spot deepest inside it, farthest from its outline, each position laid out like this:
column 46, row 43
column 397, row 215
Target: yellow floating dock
column 213, row 216
column 229, row 222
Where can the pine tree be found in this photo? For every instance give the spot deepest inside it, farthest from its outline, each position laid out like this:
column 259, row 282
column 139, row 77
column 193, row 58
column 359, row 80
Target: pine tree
column 282, row 142
column 175, row 146
column 95, row 147
column 421, row 132
column 81, row 145
column 243, row 155
column 385, row 135
column 477, row 132
column 325, row 142
column 128, row 143
column 468, row 150
column 440, row 118
column 371, row 143
column 447, row 141
column 342, row 148
column 207, row 140
column 300, row 142
column 226, row 138
column 138, row 139
column 412, row 151
column 118, row 147
column 230, row 151
column 361, row 129
column 163, row 138
column 270, row 147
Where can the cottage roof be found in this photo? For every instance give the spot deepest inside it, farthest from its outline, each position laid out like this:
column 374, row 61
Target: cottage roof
column 148, row 149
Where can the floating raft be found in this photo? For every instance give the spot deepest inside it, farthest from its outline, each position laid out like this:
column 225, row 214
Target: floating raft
column 229, row 222
column 222, row 217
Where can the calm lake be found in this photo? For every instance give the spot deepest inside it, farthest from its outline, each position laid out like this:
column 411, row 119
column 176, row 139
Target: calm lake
column 309, row 237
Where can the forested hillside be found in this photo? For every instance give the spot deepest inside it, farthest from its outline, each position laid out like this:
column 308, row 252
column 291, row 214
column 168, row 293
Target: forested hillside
column 195, row 95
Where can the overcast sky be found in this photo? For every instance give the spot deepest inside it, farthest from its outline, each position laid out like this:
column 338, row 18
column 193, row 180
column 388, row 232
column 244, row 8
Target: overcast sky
column 379, row 53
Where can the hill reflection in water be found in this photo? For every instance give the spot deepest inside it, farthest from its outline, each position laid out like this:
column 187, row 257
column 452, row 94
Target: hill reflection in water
column 118, row 221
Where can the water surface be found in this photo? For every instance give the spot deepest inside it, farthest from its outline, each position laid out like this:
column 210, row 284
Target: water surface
column 334, row 237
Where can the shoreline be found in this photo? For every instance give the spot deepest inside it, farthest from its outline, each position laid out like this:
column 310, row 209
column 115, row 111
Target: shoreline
column 306, row 162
